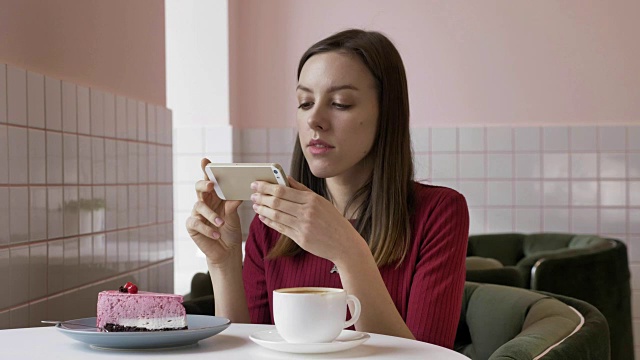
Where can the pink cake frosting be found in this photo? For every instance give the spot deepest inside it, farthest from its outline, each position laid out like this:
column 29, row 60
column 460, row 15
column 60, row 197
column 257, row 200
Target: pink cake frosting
column 144, row 311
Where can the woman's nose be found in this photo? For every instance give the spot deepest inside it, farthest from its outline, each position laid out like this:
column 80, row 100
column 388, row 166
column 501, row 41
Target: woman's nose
column 317, row 120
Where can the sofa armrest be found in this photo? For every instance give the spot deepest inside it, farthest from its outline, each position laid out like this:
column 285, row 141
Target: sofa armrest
column 508, row 275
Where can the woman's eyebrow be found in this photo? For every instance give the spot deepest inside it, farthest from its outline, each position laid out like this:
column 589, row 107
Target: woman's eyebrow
column 331, row 89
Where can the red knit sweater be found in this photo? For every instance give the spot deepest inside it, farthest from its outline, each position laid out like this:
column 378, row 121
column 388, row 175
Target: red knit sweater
column 426, row 288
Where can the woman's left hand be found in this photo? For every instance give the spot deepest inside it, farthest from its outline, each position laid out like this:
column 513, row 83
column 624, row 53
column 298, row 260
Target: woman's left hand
column 304, row 216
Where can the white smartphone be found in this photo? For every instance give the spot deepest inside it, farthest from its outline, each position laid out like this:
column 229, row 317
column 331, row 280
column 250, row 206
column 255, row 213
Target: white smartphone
column 233, row 181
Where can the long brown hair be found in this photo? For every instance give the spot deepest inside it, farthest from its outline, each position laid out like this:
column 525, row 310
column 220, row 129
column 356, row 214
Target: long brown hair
column 387, row 197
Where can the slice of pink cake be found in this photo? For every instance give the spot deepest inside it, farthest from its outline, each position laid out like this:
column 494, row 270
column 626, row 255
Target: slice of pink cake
column 140, row 311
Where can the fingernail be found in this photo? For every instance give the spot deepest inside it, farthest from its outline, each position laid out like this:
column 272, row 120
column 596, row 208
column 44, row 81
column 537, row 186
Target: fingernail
column 215, row 234
column 254, row 197
column 218, row 221
column 254, row 185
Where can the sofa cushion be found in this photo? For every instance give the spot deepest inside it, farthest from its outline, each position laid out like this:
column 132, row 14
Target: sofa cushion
column 482, row 263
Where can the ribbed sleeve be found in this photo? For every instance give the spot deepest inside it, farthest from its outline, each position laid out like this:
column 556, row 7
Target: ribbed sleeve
column 426, row 288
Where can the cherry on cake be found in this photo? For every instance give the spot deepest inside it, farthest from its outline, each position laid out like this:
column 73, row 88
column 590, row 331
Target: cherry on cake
column 129, row 310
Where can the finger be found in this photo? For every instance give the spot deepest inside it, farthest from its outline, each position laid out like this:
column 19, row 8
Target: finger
column 276, row 190
column 276, row 203
column 281, row 228
column 204, row 186
column 195, row 226
column 296, row 185
column 202, row 209
column 275, row 215
column 203, row 165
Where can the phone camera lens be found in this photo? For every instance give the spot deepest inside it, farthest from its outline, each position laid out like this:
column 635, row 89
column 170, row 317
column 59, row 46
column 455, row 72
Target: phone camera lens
column 275, row 171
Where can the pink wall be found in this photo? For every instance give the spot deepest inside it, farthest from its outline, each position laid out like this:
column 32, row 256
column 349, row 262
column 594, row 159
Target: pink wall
column 115, row 45
column 469, row 63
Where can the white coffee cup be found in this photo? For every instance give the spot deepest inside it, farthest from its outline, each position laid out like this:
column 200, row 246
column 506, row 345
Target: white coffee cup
column 312, row 314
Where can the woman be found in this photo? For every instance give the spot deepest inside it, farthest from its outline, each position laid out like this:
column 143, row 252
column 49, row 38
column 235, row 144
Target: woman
column 354, row 218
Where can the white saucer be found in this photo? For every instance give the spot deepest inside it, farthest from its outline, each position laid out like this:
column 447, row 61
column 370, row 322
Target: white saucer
column 346, row 340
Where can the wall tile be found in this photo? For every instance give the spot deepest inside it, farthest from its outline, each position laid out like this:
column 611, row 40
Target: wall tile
column 132, row 119
column 85, row 172
column 85, row 209
column 99, row 254
column 555, row 220
column 4, row 154
column 528, row 220
column 444, row 139
column 254, row 141
column 499, row 193
column 84, row 110
column 633, row 133
column 633, row 165
column 133, row 205
column 152, row 168
column 99, row 208
column 471, row 166
column 16, row 96
column 527, row 166
column 133, row 162
column 584, row 193
column 421, row 163
column 5, row 279
column 280, row 141
column 142, row 121
column 188, row 169
column 53, row 103
column 555, row 193
column 613, row 193
column 143, row 202
column 4, row 217
column 612, row 138
column 19, row 214
column 584, row 138
column 111, row 169
column 37, row 271
column 70, row 211
column 121, row 117
column 475, row 192
column 71, row 263
column 584, row 165
column 19, row 278
column 37, row 157
column 69, row 108
column 420, row 139
column 38, row 312
column 500, row 166
column 18, row 155
column 584, row 221
column 444, row 166
column 613, row 165
column 555, row 166
column 143, row 158
column 70, row 158
column 122, row 161
column 189, row 141
column 134, row 249
column 98, row 160
column 527, row 139
column 555, row 139
column 19, row 317
column 499, row 220
column 613, row 221
column 123, row 212
column 499, row 139
column 96, row 98
column 123, row 250
column 477, row 220
column 111, row 214
column 634, row 193
column 471, row 139
column 109, row 107
column 634, row 223
column 3, row 95
column 151, row 123
column 153, row 203
column 54, row 157
column 55, row 215
column 37, row 213
column 528, row 193
column 35, row 100
column 112, row 252
column 85, row 260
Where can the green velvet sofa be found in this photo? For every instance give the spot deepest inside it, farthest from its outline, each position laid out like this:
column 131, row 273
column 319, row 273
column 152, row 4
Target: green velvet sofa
column 585, row 267
column 501, row 322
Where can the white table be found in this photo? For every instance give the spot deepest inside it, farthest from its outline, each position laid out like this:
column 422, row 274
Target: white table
column 233, row 343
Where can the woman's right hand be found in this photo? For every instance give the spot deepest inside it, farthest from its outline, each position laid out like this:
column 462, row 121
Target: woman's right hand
column 214, row 224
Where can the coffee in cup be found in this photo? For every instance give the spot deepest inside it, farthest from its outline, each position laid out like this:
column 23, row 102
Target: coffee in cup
column 312, row 314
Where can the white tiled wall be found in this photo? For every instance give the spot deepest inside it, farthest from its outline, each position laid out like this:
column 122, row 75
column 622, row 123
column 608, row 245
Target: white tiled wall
column 85, row 205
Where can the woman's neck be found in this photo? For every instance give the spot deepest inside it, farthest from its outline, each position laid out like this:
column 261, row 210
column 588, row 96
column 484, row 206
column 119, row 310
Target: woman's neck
column 342, row 189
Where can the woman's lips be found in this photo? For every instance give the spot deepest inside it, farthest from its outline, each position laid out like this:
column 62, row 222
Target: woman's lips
column 319, row 147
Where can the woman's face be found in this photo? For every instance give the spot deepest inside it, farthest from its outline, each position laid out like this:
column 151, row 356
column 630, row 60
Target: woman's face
column 337, row 115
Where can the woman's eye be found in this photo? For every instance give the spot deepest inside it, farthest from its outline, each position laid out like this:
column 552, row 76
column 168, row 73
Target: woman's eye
column 340, row 106
column 305, row 105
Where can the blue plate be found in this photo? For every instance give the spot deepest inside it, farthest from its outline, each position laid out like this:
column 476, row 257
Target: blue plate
column 200, row 327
